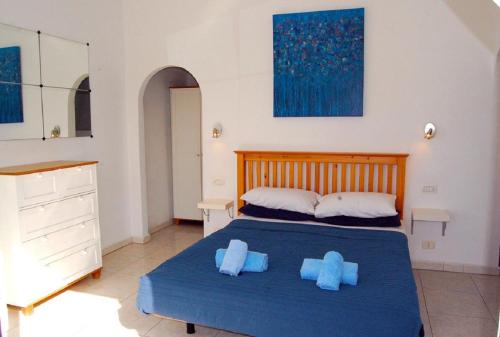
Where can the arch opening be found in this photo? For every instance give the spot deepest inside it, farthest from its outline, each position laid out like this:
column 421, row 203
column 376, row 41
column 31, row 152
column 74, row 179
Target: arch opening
column 170, row 134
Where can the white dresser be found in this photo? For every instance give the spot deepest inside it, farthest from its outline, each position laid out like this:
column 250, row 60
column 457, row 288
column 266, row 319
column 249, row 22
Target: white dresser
column 49, row 229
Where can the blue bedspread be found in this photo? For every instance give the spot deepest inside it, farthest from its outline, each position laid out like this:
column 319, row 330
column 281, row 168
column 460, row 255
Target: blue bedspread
column 277, row 303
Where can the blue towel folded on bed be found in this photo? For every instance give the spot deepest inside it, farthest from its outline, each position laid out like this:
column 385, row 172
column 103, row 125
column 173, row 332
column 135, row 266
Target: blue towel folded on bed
column 330, row 273
column 311, row 267
column 235, row 257
column 255, row 262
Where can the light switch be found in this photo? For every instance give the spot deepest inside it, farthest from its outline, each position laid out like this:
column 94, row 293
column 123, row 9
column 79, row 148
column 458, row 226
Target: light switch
column 219, row 181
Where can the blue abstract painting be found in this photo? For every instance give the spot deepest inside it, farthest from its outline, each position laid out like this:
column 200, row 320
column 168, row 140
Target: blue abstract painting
column 11, row 94
column 319, row 63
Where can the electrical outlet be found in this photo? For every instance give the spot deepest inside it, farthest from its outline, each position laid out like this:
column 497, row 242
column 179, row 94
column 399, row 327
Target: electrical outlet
column 428, row 245
column 430, row 189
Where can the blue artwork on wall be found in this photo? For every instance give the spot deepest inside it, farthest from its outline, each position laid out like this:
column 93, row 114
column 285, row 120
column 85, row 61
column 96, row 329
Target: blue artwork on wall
column 319, row 63
column 11, row 95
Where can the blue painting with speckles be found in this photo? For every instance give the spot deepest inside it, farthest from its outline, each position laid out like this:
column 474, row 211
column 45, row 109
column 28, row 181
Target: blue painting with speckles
column 319, row 63
column 11, row 90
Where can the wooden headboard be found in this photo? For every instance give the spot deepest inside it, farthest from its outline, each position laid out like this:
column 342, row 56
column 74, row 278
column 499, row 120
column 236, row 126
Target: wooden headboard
column 345, row 172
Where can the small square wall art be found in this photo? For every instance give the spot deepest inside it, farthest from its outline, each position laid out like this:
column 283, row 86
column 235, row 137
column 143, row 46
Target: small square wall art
column 319, row 63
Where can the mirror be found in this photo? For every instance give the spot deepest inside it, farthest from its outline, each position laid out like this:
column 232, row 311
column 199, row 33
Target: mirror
column 44, row 86
column 64, row 63
column 20, row 111
column 19, row 56
column 69, row 112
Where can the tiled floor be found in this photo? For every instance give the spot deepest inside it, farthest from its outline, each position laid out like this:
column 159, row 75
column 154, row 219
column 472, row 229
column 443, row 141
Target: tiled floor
column 451, row 304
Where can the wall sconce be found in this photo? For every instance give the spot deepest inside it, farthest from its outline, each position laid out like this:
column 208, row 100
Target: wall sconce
column 429, row 130
column 217, row 131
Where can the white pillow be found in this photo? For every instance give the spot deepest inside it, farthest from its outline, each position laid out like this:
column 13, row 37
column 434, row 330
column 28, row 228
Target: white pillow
column 289, row 199
column 356, row 204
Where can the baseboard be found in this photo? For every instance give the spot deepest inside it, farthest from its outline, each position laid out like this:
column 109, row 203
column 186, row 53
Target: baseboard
column 133, row 239
column 157, row 228
column 456, row 267
column 123, row 243
column 115, row 246
column 427, row 265
column 141, row 239
column 472, row 269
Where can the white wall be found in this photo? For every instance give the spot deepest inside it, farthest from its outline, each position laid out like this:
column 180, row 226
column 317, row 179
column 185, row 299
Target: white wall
column 158, row 140
column 495, row 202
column 422, row 64
column 158, row 143
column 98, row 22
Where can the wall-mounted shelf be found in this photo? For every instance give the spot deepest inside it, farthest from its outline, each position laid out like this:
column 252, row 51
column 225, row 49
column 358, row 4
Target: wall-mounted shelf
column 216, row 204
column 431, row 215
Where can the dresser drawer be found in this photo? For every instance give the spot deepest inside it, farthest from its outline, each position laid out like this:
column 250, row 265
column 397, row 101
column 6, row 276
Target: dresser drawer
column 76, row 180
column 36, row 188
column 41, row 220
column 56, row 242
column 76, row 264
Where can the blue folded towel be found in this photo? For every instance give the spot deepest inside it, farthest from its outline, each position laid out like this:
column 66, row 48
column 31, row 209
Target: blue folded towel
column 235, row 257
column 311, row 267
column 330, row 273
column 255, row 262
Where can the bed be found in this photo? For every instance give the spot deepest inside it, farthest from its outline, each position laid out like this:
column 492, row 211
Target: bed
column 188, row 287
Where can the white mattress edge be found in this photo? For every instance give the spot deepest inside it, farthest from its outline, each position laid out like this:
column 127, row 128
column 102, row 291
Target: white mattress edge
column 401, row 229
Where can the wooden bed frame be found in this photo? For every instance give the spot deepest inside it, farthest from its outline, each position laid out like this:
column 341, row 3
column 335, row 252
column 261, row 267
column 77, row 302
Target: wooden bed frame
column 345, row 172
column 323, row 172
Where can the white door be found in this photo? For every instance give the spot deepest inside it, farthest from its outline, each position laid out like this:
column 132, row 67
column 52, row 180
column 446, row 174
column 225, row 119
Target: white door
column 185, row 107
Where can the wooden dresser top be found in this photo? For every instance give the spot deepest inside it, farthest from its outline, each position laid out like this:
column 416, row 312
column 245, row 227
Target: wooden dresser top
column 42, row 167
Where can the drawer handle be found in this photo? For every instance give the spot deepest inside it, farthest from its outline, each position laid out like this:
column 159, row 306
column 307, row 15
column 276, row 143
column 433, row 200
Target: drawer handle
column 41, row 208
column 39, row 175
column 80, row 198
column 84, row 252
column 79, row 169
column 83, row 225
column 44, row 238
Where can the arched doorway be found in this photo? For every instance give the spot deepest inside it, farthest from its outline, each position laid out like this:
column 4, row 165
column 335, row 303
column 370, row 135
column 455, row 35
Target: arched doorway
column 172, row 146
column 79, row 116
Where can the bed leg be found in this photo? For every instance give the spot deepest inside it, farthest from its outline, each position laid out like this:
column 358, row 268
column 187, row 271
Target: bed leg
column 190, row 328
column 422, row 332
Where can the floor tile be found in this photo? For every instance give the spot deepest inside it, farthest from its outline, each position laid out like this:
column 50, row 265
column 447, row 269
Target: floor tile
column 424, row 315
column 421, row 301
column 172, row 328
column 451, row 304
column 458, row 326
column 118, row 286
column 441, row 302
column 489, row 288
column 164, row 253
column 416, row 276
column 116, row 261
column 229, row 334
column 141, row 267
column 58, row 317
column 427, row 327
column 488, row 285
column 107, row 329
column 447, row 281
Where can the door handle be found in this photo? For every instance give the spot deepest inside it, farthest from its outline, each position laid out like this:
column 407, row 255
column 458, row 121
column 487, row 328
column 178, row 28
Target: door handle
column 199, row 155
